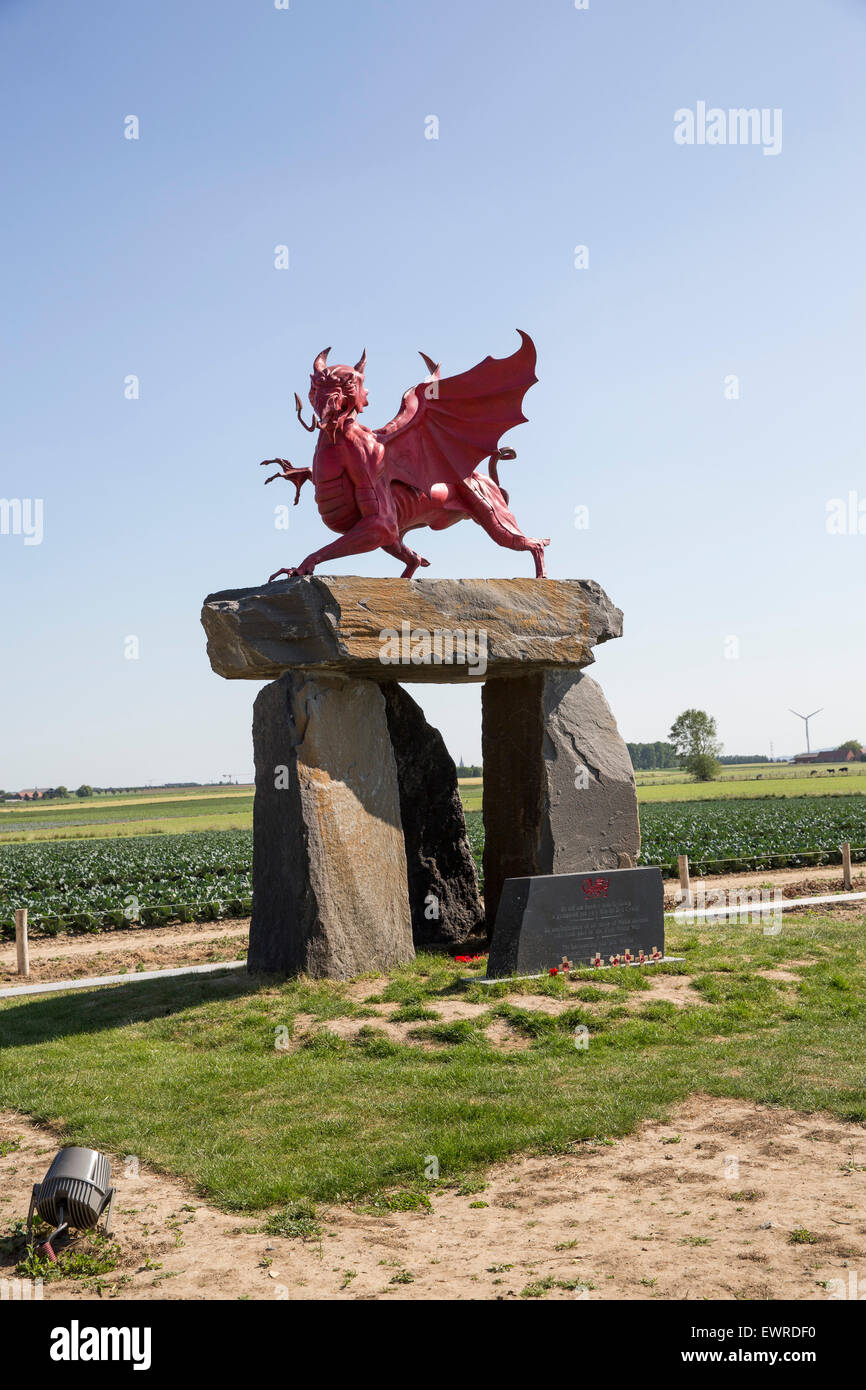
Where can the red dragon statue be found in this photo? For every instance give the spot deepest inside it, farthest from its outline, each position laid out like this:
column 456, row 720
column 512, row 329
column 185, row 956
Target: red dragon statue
column 372, row 486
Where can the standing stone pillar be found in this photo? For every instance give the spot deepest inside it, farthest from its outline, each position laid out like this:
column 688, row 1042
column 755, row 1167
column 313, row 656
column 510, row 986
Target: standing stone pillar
column 329, row 865
column 559, row 789
column 443, row 882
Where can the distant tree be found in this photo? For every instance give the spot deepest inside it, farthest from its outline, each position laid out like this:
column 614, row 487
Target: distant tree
column 84, row 790
column 852, row 745
column 637, row 755
column 61, row 791
column 647, row 756
column 694, row 736
column 703, row 767
column 665, row 755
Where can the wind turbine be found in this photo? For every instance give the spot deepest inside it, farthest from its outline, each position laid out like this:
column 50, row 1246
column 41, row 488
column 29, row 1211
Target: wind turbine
column 806, row 718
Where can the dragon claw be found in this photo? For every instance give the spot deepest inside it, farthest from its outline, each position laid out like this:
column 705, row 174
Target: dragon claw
column 291, row 572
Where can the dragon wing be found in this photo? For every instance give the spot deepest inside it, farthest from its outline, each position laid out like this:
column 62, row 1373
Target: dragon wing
column 445, row 428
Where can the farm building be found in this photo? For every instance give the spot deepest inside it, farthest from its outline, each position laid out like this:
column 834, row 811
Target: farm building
column 827, row 755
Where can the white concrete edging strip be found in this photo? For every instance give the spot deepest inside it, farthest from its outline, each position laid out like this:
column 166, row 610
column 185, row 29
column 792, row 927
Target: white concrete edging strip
column 131, row 977
column 689, row 913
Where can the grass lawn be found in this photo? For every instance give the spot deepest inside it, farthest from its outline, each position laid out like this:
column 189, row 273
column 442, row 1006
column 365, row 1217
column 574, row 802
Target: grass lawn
column 185, row 1074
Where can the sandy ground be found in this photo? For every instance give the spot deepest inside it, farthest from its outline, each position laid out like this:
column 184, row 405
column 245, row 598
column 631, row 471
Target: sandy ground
column 700, row 1207
column 107, row 953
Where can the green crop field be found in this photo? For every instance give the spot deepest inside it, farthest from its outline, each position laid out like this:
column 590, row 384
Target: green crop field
column 774, row 833
column 88, row 885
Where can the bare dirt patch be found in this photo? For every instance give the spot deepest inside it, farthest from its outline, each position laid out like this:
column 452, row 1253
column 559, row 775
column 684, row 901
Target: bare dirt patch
column 701, row 1206
column 676, row 989
column 539, row 1003
column 380, row 1018
column 505, row 1037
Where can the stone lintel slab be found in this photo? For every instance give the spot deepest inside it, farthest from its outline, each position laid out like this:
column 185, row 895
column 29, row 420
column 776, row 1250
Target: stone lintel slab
column 333, row 624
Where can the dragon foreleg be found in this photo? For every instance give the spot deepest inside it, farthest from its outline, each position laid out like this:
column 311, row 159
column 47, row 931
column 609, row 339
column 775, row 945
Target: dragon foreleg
column 298, row 476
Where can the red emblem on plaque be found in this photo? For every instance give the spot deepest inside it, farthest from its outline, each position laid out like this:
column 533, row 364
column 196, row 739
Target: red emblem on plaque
column 595, row 887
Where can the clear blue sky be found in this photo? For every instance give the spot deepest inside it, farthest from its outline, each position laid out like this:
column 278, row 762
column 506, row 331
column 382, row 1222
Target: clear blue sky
column 306, row 127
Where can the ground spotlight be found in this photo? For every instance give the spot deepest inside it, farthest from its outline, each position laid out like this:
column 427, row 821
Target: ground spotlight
column 75, row 1191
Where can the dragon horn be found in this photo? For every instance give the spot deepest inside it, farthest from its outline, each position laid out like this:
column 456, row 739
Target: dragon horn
column 321, row 360
column 362, row 362
column 431, row 366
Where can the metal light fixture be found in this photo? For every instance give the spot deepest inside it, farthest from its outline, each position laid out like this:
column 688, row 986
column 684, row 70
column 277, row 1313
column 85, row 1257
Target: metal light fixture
column 75, row 1191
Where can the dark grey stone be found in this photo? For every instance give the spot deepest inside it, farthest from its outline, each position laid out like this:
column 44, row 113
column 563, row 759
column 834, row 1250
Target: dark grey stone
column 542, row 919
column 329, row 864
column 559, row 791
column 443, row 883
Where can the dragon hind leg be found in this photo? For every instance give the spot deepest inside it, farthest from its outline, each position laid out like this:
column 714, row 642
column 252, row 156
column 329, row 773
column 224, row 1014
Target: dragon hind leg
column 486, row 505
column 411, row 559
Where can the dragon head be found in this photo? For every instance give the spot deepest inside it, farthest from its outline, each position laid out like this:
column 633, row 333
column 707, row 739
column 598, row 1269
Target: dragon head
column 337, row 392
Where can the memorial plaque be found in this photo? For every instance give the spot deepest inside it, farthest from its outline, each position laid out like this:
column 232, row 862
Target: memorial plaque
column 585, row 918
